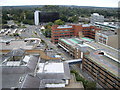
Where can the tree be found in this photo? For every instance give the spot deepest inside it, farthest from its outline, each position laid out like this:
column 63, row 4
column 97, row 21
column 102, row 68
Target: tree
column 50, row 23
column 4, row 21
column 5, row 26
column 31, row 22
column 16, row 34
column 73, row 19
column 59, row 22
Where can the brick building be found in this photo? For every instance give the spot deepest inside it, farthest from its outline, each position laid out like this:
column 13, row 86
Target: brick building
column 74, row 47
column 72, row 30
column 100, row 61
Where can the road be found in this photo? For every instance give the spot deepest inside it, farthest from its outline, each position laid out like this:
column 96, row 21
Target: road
column 51, row 45
column 63, row 54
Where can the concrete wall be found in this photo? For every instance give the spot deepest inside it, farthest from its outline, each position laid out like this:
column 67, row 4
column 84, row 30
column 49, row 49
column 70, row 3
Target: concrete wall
column 100, row 75
column 113, row 41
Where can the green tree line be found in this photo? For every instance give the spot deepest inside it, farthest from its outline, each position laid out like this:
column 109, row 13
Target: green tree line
column 67, row 13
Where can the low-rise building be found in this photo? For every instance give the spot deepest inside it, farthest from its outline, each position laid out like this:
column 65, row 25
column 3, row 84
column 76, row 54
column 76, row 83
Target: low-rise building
column 54, row 75
column 28, row 43
column 15, row 65
column 74, row 46
column 95, row 17
column 21, row 70
column 109, row 38
column 113, row 26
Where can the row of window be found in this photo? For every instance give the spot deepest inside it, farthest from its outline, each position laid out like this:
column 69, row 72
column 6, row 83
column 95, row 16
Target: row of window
column 96, row 67
column 86, row 28
column 95, row 73
column 61, row 30
column 64, row 36
column 65, row 33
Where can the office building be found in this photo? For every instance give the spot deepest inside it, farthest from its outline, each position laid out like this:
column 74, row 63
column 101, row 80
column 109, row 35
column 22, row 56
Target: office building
column 109, row 38
column 95, row 17
column 44, row 17
column 36, row 17
column 109, row 34
column 73, row 30
column 74, row 47
column 107, row 25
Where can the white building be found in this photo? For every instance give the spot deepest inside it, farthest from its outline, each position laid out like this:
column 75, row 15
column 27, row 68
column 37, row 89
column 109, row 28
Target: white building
column 54, row 75
column 95, row 17
column 36, row 17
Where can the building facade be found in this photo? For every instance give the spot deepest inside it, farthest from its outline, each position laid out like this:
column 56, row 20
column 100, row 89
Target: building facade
column 36, row 17
column 98, row 60
column 72, row 31
column 95, row 17
column 102, row 73
column 109, row 38
column 102, row 64
column 74, row 47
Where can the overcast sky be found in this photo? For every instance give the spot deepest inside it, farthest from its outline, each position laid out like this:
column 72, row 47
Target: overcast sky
column 98, row 3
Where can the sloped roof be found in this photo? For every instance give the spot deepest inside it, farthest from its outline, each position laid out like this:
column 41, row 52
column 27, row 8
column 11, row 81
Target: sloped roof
column 18, row 71
column 16, row 52
column 31, row 81
column 15, row 70
column 33, row 62
column 11, row 80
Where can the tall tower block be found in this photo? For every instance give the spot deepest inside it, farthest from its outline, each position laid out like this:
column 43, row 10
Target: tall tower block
column 36, row 17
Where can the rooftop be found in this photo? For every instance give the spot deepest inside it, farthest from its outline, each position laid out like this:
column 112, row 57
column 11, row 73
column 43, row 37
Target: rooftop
column 96, row 14
column 64, row 26
column 54, row 71
column 31, row 81
column 108, row 33
column 6, row 39
column 86, row 25
column 14, row 75
column 87, row 39
column 11, row 80
column 109, row 51
column 51, row 68
column 109, row 60
column 71, row 41
column 76, row 41
column 15, row 44
column 104, row 61
column 108, row 24
column 16, row 52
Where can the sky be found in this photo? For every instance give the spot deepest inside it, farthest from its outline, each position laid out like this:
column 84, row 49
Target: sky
column 98, row 3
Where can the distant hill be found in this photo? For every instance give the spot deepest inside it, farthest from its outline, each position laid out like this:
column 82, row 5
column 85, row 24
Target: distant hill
column 72, row 6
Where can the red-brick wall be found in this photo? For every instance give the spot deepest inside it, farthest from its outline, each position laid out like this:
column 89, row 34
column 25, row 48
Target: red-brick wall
column 74, row 31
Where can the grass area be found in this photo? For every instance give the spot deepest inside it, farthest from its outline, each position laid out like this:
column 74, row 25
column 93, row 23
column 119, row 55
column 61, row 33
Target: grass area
column 88, row 85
